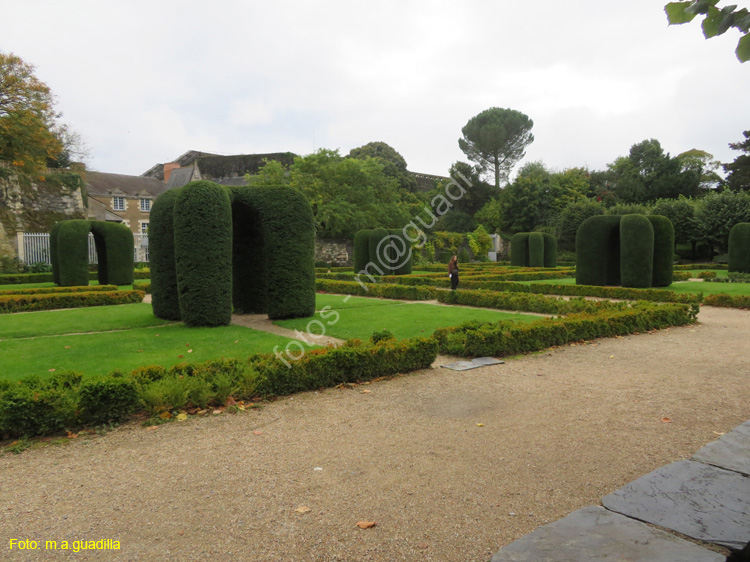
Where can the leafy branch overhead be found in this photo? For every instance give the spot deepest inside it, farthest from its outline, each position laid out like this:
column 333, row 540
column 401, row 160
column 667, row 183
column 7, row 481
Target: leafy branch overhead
column 716, row 21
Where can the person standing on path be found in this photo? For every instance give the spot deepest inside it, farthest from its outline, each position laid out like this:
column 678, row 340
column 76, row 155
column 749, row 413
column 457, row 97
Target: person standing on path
column 453, row 272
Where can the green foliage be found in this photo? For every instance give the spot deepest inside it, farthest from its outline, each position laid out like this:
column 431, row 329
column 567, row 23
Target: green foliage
column 377, row 249
column 287, row 253
column 570, row 218
column 727, row 301
column 50, row 301
column 496, row 139
column 716, row 20
column 663, row 250
column 385, row 290
column 203, row 254
column 348, row 194
column 33, row 407
column 681, row 213
column 381, row 335
column 72, row 243
column 550, row 250
column 738, row 171
column 361, row 249
column 598, row 251
column 536, row 249
column 718, row 212
column 58, row 290
column 352, row 362
column 636, row 251
column 53, row 255
column 394, row 165
column 164, row 295
column 739, row 248
column 114, row 248
column 107, row 400
column 480, row 243
column 519, row 249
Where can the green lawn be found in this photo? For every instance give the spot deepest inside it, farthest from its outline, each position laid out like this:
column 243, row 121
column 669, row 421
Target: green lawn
column 28, row 345
column 77, row 320
column 705, row 287
column 359, row 317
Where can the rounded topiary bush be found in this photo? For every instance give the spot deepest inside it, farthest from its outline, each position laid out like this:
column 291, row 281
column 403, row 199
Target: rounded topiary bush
column 519, row 249
column 739, row 248
column 663, row 251
column 54, row 260
column 598, row 251
column 203, row 254
column 636, row 251
column 361, row 250
column 400, row 253
column 536, row 249
column 164, row 297
column 379, row 255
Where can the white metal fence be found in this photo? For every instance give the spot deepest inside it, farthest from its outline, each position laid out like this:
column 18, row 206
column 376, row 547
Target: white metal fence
column 33, row 247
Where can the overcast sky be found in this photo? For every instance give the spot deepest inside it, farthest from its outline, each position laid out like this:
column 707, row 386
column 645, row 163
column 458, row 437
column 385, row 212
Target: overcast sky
column 145, row 81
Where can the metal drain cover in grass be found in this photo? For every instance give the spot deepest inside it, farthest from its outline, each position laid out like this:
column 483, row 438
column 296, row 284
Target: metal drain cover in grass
column 473, row 364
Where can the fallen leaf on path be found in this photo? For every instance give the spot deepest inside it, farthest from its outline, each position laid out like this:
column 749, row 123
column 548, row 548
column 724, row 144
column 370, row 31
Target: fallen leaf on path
column 180, row 532
column 190, row 350
column 366, row 524
column 666, row 420
column 719, row 433
column 480, row 425
column 257, row 432
column 72, row 435
column 302, row 509
column 217, row 412
column 152, row 427
column 165, row 415
column 51, row 370
column 423, row 545
column 181, row 417
column 366, row 391
column 230, row 401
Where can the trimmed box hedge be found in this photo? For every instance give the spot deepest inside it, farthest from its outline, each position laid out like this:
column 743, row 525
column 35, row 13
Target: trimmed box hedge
column 50, row 290
column 739, row 248
column 50, row 301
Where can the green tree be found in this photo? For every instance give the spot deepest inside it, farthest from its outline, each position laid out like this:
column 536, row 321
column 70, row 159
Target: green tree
column 489, row 215
column 681, row 212
column 496, row 139
column 571, row 217
column 27, row 116
column 703, row 165
column 739, row 170
column 475, row 195
column 394, row 165
column 716, row 21
column 648, row 173
column 536, row 197
column 345, row 194
column 718, row 212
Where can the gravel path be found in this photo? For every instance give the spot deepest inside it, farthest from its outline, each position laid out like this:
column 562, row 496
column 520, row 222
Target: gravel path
column 451, row 465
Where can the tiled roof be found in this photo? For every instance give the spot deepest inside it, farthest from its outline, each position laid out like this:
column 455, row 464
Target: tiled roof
column 103, row 185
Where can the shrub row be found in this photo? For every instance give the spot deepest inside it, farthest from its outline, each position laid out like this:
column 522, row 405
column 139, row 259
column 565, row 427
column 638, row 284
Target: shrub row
column 66, row 401
column 526, row 302
column 507, row 338
column 727, row 301
column 701, row 266
column 625, row 293
column 680, row 275
column 414, row 293
column 142, row 286
column 49, row 290
column 25, row 303
column 23, row 278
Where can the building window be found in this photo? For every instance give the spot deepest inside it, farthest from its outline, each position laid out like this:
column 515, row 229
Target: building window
column 118, row 203
column 144, row 227
column 145, row 205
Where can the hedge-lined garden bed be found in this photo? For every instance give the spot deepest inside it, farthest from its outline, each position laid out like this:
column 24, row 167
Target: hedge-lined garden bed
column 49, row 301
column 24, row 278
column 67, row 400
column 58, row 290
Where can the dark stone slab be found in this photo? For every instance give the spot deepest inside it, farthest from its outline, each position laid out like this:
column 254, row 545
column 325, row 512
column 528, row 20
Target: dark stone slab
column 595, row 534
column 701, row 501
column 731, row 451
column 473, row 364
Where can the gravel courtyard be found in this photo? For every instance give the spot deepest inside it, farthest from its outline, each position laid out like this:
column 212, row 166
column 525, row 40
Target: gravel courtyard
column 449, row 465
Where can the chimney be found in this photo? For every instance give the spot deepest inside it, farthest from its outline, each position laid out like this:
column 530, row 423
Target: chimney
column 168, row 170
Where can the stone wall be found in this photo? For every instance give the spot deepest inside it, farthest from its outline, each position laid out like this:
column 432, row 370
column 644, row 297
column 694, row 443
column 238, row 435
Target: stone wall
column 335, row 252
column 35, row 204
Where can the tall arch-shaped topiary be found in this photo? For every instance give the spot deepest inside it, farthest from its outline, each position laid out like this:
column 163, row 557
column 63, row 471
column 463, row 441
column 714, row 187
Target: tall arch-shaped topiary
column 361, row 250
column 627, row 250
column 69, row 249
column 533, row 249
column 215, row 249
column 739, row 248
